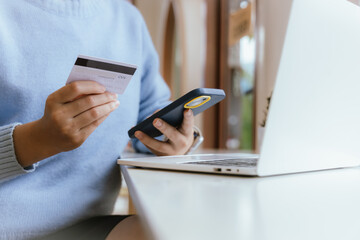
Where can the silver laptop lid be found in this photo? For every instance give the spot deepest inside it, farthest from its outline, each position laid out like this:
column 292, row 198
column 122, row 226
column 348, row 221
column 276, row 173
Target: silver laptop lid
column 314, row 118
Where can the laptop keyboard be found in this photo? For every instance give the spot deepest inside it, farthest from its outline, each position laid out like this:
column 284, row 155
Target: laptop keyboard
column 244, row 162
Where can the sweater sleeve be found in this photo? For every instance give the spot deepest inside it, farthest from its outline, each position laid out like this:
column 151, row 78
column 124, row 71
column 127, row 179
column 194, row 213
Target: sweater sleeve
column 155, row 93
column 9, row 166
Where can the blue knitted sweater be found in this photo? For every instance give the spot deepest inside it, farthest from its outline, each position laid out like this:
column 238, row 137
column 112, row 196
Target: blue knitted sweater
column 39, row 43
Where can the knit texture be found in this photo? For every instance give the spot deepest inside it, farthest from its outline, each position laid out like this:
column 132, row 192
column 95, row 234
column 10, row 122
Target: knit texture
column 39, row 43
column 9, row 166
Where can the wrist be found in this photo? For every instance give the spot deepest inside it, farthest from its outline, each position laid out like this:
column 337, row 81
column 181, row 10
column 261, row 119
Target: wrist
column 31, row 144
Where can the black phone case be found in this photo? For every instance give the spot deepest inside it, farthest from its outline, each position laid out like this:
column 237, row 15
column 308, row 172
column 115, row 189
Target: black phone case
column 173, row 113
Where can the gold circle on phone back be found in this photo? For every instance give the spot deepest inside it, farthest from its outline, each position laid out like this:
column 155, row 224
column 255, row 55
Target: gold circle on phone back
column 197, row 102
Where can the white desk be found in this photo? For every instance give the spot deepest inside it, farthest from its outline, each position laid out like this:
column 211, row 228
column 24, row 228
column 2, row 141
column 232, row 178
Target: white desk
column 184, row 206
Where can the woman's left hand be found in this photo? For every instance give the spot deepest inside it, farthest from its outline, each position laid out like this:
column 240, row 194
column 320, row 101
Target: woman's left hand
column 179, row 140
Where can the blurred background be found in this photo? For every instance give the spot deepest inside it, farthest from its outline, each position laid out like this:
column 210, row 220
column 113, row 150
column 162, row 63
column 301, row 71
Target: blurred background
column 235, row 45
column 230, row 44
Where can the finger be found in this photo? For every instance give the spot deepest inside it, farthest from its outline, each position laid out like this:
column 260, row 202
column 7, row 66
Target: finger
column 73, row 90
column 157, row 153
column 89, row 101
column 88, row 117
column 86, row 131
column 153, row 144
column 187, row 126
column 177, row 140
column 169, row 131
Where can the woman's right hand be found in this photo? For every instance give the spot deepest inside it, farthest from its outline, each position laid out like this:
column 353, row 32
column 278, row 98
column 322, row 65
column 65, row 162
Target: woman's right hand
column 71, row 114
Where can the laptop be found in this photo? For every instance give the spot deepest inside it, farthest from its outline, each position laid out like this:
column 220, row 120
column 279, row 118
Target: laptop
column 314, row 117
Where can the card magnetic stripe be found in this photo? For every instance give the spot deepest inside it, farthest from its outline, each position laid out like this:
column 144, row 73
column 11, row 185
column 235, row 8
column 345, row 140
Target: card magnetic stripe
column 105, row 66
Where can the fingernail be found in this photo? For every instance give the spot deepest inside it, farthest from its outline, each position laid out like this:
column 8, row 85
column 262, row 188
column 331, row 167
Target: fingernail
column 115, row 104
column 138, row 135
column 188, row 113
column 158, row 123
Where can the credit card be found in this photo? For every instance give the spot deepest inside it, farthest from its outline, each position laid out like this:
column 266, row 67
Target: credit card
column 115, row 76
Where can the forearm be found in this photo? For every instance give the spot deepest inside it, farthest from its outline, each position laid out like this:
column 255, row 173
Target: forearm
column 31, row 144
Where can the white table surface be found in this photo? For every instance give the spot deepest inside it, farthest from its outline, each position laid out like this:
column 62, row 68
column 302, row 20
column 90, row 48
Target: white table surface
column 179, row 205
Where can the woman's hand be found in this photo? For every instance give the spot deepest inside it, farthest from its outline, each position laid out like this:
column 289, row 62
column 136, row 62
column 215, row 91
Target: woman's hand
column 179, row 140
column 71, row 114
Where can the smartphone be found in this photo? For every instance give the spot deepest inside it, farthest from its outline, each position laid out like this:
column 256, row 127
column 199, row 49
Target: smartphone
column 197, row 100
